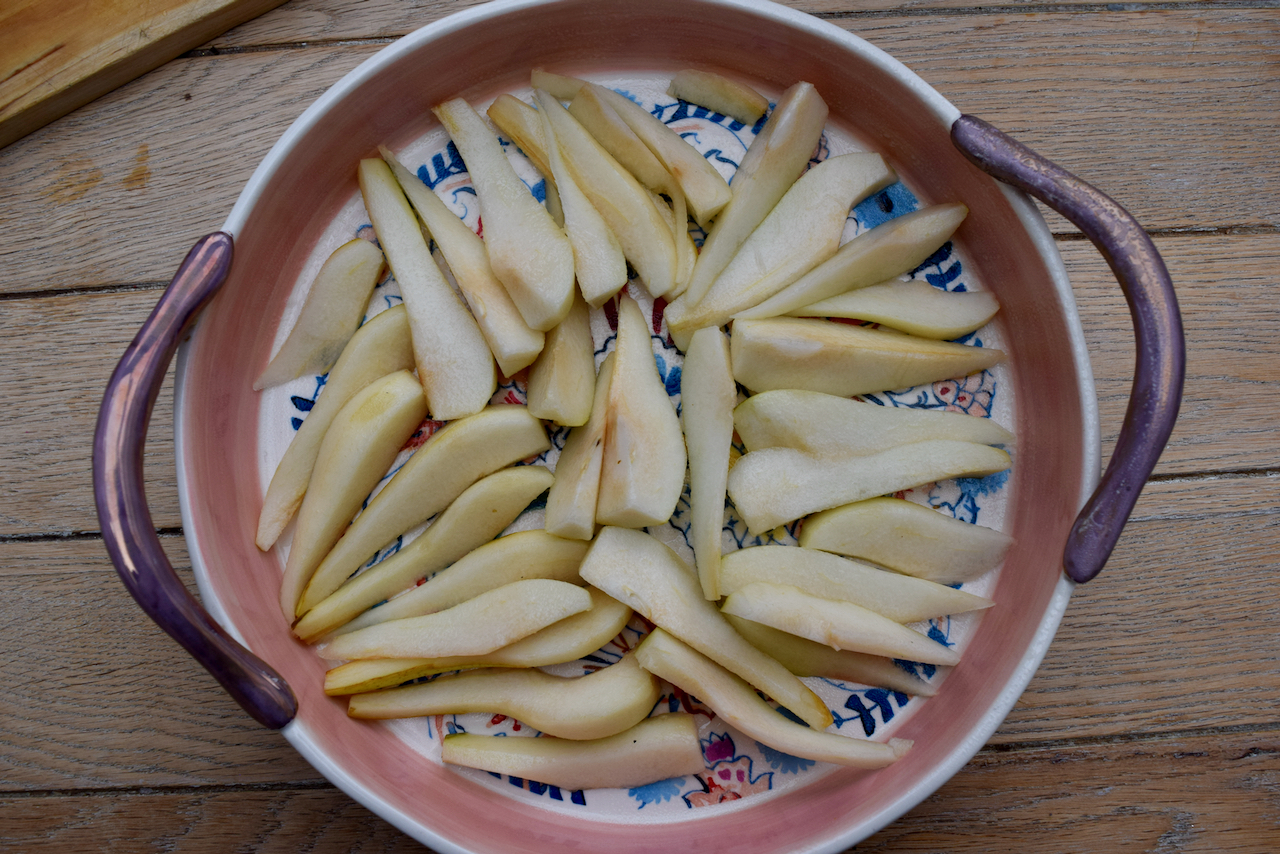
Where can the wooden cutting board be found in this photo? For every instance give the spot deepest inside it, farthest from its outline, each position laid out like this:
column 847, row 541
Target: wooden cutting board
column 56, row 55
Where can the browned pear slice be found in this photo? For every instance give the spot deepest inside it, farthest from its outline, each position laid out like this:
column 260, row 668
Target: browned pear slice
column 597, row 705
column 707, row 395
column 562, row 381
column 334, row 306
column 917, row 308
column 616, row 136
column 717, row 92
column 523, row 125
column 737, row 704
column 571, row 503
column 359, row 447
column 528, row 252
column 380, row 347
column 655, row 749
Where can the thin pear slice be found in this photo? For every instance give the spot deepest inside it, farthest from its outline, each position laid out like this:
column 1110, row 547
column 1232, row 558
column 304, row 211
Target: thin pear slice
column 380, row 347
column 686, row 249
column 571, row 503
column 562, row 87
column 330, row 315
column 917, row 308
column 562, row 380
column 478, row 515
column 737, row 704
column 821, row 424
column 844, row 360
column 773, row 162
column 901, row 598
column 455, row 365
column 523, row 125
column 454, row 458
column 513, row 343
column 642, row 473
column 570, row 639
column 908, row 537
column 888, row 250
column 707, row 393
column 477, row 626
column 655, row 749
column 775, row 486
column 597, row 705
column 840, row 625
column 359, row 447
column 716, row 92
column 528, row 252
column 613, row 133
column 804, row 657
column 643, row 573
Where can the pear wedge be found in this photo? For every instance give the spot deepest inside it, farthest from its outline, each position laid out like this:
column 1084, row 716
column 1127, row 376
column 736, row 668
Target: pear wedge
column 613, row 133
column 564, row 88
column 708, row 394
column 571, row 503
column 522, row 124
column 716, row 92
column 917, row 308
column 562, row 381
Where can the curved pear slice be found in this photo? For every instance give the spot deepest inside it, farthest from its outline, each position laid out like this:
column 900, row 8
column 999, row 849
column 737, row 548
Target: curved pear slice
column 597, row 705
column 737, row 703
column 380, row 347
column 643, row 573
column 917, row 308
column 907, row 537
column 562, row 381
column 477, row 626
column 330, row 315
column 713, row 91
column 478, row 515
column 655, row 749
column 779, row 485
column 571, row 503
column 570, row 639
column 707, row 393
column 528, row 252
column 523, row 125
column 901, row 598
column 359, row 447
column 840, row 625
column 613, row 133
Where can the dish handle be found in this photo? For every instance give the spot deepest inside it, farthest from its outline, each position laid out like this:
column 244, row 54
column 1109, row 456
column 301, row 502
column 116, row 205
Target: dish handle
column 1157, row 326
column 127, row 529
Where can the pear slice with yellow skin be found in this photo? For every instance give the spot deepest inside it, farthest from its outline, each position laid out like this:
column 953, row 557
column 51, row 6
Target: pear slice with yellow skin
column 707, row 394
column 717, row 92
column 564, row 88
column 571, row 503
column 379, row 347
column 522, row 124
column 655, row 749
column 359, row 447
column 736, row 703
column 562, row 381
column 917, row 308
column 609, row 129
column 597, row 705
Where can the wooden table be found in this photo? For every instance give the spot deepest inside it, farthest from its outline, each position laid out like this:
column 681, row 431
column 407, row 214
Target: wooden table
column 1152, row 725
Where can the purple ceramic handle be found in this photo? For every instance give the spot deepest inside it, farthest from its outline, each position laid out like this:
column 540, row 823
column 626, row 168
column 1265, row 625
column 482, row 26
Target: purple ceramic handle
column 127, row 529
column 1157, row 327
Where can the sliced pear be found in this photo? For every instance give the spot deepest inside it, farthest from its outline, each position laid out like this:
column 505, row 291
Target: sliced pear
column 646, row 575
column 840, row 625
column 907, row 537
column 890, row 249
column 613, row 133
column 597, row 705
column 334, row 306
column 737, row 704
column 562, row 87
column 707, row 394
column 775, row 486
column 571, row 504
column 917, row 308
column 655, row 749
column 523, row 125
column 477, row 626
column 642, row 473
column 716, row 92
column 562, row 381
column 380, row 347
column 840, row 359
column 455, row 365
column 359, row 447
column 528, row 252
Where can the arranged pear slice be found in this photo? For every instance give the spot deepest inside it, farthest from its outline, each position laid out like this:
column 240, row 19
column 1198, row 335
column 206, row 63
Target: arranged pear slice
column 454, row 363
column 716, row 92
column 643, row 573
column 907, row 537
column 840, row 625
column 528, row 252
column 642, row 473
column 380, row 347
column 571, row 503
column 562, row 87
column 738, row 705
column 513, row 343
column 477, row 626
column 820, row 424
column 613, row 133
column 562, row 381
column 707, row 394
column 330, row 315
column 359, row 447
column 917, row 308
column 840, row 359
column 901, row 598
column 888, row 250
column 478, row 515
column 597, row 705
column 522, row 124
column 570, row 639
column 804, row 657
column 655, row 749
column 775, row 486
